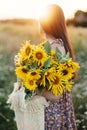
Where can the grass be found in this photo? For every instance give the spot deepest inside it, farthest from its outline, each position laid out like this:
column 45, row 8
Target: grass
column 12, row 34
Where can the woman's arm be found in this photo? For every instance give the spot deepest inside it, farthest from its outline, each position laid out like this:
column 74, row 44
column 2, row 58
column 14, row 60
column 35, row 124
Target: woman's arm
column 49, row 96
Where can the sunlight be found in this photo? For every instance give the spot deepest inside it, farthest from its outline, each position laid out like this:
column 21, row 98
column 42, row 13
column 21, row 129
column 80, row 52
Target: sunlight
column 33, row 9
column 39, row 11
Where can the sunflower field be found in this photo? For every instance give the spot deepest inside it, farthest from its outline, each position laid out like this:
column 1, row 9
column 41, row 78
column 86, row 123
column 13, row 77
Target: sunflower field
column 11, row 37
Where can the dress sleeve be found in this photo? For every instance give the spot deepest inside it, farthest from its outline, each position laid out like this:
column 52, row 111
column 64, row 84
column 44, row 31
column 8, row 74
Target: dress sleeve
column 58, row 43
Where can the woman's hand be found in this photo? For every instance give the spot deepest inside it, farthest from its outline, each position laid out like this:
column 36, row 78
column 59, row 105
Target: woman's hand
column 49, row 95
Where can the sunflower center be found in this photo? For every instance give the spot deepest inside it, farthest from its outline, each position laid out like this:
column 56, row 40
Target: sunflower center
column 39, row 55
column 54, row 55
column 56, row 81
column 24, row 70
column 31, row 82
column 23, row 62
column 48, row 73
column 33, row 73
column 27, row 50
column 65, row 72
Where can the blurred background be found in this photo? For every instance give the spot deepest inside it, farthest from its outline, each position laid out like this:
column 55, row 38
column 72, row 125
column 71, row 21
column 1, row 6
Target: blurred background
column 19, row 22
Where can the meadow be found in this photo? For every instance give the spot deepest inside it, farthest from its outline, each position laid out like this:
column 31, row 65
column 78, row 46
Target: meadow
column 12, row 34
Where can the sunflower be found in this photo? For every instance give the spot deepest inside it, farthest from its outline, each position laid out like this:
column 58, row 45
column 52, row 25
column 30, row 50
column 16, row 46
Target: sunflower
column 25, row 51
column 73, row 66
column 40, row 56
column 34, row 74
column 21, row 72
column 30, row 84
column 65, row 71
column 50, row 74
column 56, row 86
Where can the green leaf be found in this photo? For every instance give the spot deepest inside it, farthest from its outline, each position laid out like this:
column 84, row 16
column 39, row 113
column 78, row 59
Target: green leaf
column 27, row 63
column 35, row 64
column 44, row 71
column 47, row 83
column 47, row 48
column 58, row 51
column 28, row 94
column 67, row 56
column 61, row 58
column 58, row 54
column 40, row 88
column 47, row 62
column 29, row 67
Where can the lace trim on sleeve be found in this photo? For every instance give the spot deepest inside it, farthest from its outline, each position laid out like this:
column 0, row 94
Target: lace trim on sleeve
column 57, row 41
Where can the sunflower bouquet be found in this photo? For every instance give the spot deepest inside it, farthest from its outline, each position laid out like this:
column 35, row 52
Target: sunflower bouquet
column 41, row 68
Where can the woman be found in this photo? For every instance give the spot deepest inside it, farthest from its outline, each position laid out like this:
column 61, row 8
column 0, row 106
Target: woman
column 59, row 115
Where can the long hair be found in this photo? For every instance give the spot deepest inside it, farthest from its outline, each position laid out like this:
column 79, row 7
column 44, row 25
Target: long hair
column 53, row 23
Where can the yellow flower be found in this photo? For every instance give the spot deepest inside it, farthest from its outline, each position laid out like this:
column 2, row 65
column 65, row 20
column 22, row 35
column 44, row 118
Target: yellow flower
column 65, row 71
column 68, row 69
column 50, row 74
column 54, row 58
column 21, row 72
column 56, row 86
column 40, row 56
column 25, row 51
column 41, row 81
column 73, row 66
column 30, row 84
column 34, row 74
column 43, row 43
column 68, row 86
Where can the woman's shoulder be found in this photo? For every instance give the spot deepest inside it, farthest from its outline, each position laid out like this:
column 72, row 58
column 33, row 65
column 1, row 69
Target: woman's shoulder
column 58, row 43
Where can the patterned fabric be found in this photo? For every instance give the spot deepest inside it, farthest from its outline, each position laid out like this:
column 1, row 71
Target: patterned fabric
column 60, row 115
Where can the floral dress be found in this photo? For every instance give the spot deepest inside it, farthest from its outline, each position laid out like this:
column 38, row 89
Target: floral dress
column 60, row 115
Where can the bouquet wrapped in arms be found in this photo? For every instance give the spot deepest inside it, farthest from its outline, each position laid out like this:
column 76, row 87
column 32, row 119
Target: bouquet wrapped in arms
column 41, row 68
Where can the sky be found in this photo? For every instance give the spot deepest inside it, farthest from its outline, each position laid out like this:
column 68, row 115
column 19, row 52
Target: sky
column 33, row 8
